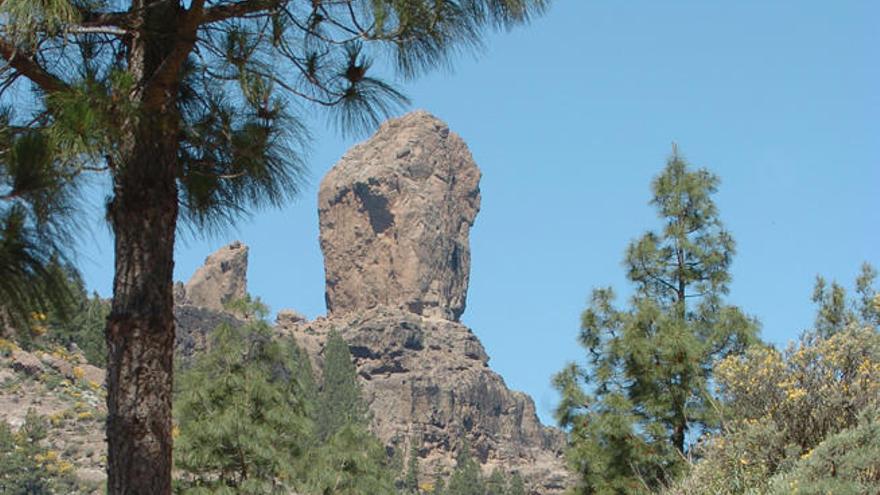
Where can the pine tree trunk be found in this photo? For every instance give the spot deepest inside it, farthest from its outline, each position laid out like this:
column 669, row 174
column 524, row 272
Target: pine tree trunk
column 140, row 329
column 143, row 215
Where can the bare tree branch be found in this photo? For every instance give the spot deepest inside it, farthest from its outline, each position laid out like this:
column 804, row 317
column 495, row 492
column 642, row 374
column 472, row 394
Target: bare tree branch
column 24, row 63
column 238, row 9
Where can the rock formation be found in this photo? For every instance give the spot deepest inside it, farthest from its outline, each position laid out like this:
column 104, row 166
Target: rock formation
column 427, row 381
column 200, row 304
column 395, row 215
column 223, row 278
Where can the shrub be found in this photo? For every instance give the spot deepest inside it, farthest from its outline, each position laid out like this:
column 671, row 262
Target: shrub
column 847, row 463
column 815, row 388
column 26, row 466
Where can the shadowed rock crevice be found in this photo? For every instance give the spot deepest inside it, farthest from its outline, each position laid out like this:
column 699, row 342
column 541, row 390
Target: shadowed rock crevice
column 376, row 207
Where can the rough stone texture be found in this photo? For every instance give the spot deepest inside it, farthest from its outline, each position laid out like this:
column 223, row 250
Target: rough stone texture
column 289, row 316
column 26, row 362
column 428, row 379
column 223, row 278
column 395, row 215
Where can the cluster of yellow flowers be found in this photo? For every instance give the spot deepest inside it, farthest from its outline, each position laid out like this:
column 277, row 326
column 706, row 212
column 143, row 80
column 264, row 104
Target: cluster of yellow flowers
column 38, row 323
column 7, row 346
column 808, row 380
column 53, row 463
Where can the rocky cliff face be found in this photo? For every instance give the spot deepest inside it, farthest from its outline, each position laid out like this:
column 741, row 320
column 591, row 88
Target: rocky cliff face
column 395, row 216
column 427, row 381
column 222, row 279
column 199, row 305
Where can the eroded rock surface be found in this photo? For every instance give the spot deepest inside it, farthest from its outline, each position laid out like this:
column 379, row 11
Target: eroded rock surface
column 427, row 380
column 222, row 279
column 395, row 216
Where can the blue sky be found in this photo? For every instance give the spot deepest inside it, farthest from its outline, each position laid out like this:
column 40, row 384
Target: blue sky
column 571, row 117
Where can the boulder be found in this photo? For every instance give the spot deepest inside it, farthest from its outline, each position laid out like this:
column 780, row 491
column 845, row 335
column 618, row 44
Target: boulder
column 395, row 216
column 26, row 362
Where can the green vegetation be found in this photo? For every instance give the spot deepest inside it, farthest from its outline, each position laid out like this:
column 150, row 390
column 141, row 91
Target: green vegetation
column 410, row 485
column 83, row 324
column 346, row 458
column 240, row 418
column 351, row 462
column 803, row 420
column 27, row 467
column 36, row 227
column 78, row 319
column 340, row 391
column 847, row 463
column 764, row 422
column 648, row 379
column 468, row 479
column 251, row 419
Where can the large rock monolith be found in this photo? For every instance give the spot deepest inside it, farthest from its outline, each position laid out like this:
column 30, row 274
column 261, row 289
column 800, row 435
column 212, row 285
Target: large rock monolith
column 395, row 216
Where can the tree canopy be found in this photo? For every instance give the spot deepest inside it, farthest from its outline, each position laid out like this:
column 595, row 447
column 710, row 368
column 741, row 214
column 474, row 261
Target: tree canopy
column 647, row 382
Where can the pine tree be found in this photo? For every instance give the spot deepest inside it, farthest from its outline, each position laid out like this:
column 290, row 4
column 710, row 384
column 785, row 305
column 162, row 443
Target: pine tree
column 242, row 422
column 350, row 462
column 497, row 483
column 344, row 457
column 36, row 228
column 516, row 485
column 82, row 323
column 466, row 479
column 649, row 366
column 190, row 109
column 340, row 396
column 834, row 314
column 411, row 478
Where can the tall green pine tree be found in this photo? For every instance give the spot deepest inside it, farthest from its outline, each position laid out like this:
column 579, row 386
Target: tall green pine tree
column 466, row 479
column 516, row 485
column 496, row 484
column 647, row 380
column 411, row 478
column 346, row 459
column 242, row 420
column 340, row 397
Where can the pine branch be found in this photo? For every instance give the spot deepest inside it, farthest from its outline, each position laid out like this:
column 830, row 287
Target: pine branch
column 103, row 29
column 121, row 20
column 240, row 9
column 24, row 63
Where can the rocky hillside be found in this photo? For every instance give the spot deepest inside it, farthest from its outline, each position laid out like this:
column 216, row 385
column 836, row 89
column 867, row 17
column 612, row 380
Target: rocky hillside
column 68, row 393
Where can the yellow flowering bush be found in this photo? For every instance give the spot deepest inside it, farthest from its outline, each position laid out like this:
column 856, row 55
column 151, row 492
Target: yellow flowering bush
column 736, row 462
column 788, row 414
column 7, row 347
column 816, row 387
column 844, row 463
